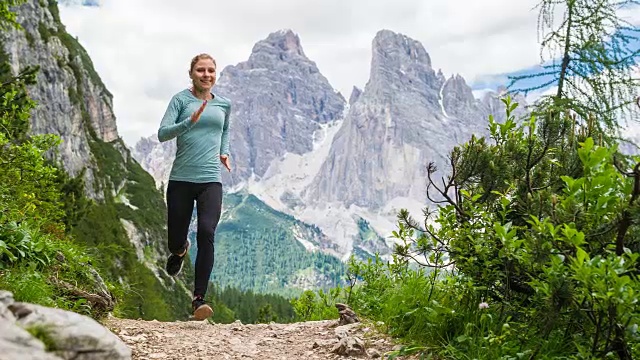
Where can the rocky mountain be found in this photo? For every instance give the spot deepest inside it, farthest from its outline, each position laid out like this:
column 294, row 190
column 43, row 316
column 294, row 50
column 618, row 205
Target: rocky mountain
column 280, row 99
column 305, row 151
column 124, row 223
column 407, row 116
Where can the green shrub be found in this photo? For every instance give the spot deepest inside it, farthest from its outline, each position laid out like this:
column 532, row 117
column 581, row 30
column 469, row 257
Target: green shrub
column 543, row 255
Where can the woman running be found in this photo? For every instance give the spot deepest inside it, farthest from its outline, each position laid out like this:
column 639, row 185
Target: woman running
column 199, row 120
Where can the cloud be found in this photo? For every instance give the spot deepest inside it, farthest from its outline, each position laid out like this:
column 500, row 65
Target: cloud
column 142, row 48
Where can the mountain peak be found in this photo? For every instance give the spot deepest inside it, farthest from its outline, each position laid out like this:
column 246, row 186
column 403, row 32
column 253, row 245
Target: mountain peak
column 400, row 62
column 283, row 42
column 355, row 94
column 396, row 47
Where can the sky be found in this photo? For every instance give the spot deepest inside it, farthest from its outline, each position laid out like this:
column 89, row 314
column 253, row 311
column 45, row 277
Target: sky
column 142, row 48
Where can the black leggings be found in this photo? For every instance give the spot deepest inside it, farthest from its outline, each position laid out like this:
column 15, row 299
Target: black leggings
column 180, row 198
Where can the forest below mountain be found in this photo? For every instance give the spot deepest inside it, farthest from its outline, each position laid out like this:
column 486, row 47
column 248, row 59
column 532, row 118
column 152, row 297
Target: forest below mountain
column 257, row 250
column 533, row 252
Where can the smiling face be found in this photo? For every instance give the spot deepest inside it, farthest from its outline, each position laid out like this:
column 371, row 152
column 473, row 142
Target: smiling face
column 203, row 72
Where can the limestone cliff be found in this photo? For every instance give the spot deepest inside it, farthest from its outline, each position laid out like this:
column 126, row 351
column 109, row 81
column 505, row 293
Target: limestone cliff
column 407, row 116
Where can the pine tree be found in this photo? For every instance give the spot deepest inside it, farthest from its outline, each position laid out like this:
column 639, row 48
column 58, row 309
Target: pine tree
column 589, row 58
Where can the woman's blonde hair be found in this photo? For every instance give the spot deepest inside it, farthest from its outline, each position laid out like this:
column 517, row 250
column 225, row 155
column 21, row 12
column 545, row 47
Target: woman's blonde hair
column 200, row 57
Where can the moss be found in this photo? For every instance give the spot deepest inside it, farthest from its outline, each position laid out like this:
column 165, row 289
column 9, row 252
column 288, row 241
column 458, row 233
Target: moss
column 5, row 68
column 45, row 33
column 43, row 333
column 53, row 9
column 74, row 96
column 60, row 62
column 30, row 39
column 79, row 90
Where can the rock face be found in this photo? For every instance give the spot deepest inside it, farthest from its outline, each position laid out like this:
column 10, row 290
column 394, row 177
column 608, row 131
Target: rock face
column 407, row 116
column 279, row 98
column 72, row 101
column 156, row 158
column 59, row 334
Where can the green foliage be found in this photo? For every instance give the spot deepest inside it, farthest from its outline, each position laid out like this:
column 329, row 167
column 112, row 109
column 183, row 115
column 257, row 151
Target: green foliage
column 43, row 30
column 28, row 187
column 32, row 192
column 533, row 251
column 7, row 16
column 72, row 202
column 266, row 314
column 141, row 293
column 112, row 170
column 15, row 105
column 38, row 262
column 317, row 305
column 368, row 243
column 542, row 254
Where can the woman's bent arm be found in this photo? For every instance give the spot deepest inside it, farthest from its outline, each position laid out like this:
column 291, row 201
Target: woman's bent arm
column 169, row 128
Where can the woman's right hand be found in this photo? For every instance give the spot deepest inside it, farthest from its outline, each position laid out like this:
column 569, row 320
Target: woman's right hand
column 196, row 115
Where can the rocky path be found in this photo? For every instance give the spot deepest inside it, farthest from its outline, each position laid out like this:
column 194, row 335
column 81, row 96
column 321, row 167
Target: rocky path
column 34, row 332
column 202, row 340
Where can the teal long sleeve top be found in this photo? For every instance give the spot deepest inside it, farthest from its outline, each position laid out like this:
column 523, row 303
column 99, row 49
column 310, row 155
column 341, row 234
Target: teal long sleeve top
column 199, row 144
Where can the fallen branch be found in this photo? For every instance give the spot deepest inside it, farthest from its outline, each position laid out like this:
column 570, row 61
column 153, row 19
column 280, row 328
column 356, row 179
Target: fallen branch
column 102, row 301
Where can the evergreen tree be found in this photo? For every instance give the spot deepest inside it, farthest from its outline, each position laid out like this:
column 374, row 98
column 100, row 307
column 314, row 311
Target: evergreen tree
column 590, row 59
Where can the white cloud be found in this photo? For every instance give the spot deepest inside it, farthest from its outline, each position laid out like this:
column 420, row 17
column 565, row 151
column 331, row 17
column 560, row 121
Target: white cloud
column 142, row 48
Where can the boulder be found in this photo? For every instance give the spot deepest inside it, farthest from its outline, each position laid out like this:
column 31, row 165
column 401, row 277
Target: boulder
column 34, row 332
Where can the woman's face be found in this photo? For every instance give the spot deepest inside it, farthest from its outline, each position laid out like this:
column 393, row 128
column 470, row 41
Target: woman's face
column 203, row 74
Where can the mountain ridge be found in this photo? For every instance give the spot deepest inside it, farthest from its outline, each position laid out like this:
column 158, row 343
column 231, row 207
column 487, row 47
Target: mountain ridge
column 407, row 110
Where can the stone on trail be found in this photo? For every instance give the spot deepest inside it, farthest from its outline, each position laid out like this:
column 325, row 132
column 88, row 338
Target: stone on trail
column 66, row 334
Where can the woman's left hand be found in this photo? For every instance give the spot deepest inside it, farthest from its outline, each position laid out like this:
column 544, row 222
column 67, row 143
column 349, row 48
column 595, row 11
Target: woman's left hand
column 224, row 159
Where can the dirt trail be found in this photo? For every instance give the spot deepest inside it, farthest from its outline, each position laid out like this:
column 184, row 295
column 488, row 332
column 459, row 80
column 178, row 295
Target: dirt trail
column 202, row 340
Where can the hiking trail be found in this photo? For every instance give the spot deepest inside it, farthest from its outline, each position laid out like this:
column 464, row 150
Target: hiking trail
column 191, row 340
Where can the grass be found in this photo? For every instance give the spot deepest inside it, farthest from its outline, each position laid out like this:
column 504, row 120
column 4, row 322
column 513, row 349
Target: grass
column 35, row 262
